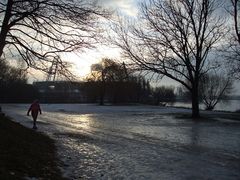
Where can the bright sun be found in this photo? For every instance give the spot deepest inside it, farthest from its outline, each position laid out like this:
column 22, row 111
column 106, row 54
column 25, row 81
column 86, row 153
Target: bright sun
column 82, row 62
column 80, row 65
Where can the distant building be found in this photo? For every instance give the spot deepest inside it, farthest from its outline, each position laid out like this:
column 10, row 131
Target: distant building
column 60, row 91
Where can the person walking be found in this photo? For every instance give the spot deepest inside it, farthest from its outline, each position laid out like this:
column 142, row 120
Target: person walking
column 35, row 109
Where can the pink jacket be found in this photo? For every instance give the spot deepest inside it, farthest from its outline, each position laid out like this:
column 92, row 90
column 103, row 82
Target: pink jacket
column 34, row 108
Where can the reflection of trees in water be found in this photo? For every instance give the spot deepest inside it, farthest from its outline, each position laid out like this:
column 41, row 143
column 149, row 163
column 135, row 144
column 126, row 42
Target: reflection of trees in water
column 223, row 105
column 228, row 105
column 194, row 134
column 225, row 102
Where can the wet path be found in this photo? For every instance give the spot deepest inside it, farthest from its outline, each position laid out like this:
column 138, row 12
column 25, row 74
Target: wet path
column 137, row 142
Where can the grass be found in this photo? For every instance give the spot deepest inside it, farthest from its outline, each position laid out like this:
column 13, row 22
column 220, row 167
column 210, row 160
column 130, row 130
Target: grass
column 26, row 153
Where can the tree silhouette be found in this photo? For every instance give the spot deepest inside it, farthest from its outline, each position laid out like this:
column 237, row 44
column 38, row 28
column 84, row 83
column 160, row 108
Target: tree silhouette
column 213, row 88
column 107, row 71
column 174, row 40
column 163, row 94
column 233, row 54
column 39, row 30
column 117, row 83
column 235, row 14
column 13, row 85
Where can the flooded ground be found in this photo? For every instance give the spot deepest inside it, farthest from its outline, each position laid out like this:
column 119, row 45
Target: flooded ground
column 137, row 142
column 223, row 105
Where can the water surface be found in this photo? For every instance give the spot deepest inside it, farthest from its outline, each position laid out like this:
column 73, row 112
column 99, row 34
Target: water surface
column 137, row 142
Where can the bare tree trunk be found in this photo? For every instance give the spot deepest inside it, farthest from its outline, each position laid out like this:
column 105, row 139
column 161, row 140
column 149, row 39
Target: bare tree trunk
column 195, row 102
column 102, row 89
column 5, row 26
column 102, row 93
column 4, row 30
column 236, row 20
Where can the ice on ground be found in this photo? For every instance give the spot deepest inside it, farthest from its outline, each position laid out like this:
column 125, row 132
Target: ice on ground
column 137, row 142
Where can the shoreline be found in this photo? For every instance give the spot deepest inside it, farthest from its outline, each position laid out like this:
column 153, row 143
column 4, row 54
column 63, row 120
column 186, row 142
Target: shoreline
column 26, row 153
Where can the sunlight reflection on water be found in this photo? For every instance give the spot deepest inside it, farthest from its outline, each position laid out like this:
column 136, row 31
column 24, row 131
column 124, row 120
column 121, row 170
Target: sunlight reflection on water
column 138, row 143
column 82, row 121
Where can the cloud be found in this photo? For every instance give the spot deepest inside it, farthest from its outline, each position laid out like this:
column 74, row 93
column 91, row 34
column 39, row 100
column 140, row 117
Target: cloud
column 128, row 7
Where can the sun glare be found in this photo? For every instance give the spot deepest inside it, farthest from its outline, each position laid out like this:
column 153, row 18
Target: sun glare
column 81, row 63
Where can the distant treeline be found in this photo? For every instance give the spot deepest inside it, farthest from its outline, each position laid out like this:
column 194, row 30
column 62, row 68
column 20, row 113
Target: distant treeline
column 113, row 83
column 13, row 85
column 137, row 91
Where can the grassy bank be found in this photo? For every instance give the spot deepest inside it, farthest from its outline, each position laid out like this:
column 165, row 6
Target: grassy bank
column 26, row 153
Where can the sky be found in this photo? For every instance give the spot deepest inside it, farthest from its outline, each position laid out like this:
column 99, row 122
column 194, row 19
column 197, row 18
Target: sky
column 128, row 7
column 83, row 61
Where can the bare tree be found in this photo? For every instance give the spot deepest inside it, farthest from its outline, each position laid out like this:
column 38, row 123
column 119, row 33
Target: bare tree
column 109, row 70
column 233, row 52
column 106, row 71
column 235, row 14
column 213, row 88
column 40, row 30
column 174, row 40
